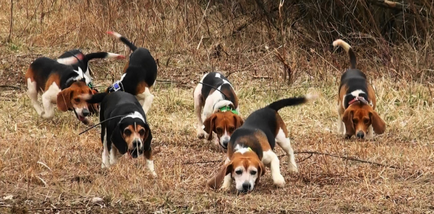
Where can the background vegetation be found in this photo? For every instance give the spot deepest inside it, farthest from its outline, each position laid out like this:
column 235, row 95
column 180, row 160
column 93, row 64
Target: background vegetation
column 269, row 50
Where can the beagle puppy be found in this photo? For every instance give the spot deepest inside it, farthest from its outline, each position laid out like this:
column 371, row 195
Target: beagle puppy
column 83, row 64
column 216, row 97
column 59, row 84
column 124, row 128
column 251, row 147
column 139, row 75
column 356, row 101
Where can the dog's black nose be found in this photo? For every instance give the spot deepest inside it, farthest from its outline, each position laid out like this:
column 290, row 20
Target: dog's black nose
column 225, row 144
column 136, row 144
column 246, row 186
column 85, row 112
column 360, row 134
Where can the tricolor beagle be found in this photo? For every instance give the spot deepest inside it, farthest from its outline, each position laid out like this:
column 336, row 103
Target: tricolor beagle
column 83, row 64
column 59, row 84
column 124, row 128
column 356, row 101
column 251, row 147
column 139, row 75
column 216, row 96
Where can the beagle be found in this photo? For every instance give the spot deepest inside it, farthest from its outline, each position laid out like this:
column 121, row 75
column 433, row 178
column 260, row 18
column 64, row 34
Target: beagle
column 356, row 101
column 216, row 96
column 59, row 84
column 139, row 75
column 251, row 147
column 84, row 65
column 124, row 128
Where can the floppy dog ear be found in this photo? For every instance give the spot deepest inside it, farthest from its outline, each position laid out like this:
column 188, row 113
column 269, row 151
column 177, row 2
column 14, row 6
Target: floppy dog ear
column 148, row 138
column 93, row 107
column 217, row 180
column 377, row 123
column 261, row 171
column 348, row 120
column 209, row 125
column 238, row 121
column 64, row 100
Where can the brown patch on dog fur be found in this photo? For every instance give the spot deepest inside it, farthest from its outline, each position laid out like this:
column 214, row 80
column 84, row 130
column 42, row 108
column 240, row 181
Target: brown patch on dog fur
column 135, row 134
column 66, row 99
column 280, row 125
column 359, row 116
column 53, row 78
column 141, row 87
column 222, row 120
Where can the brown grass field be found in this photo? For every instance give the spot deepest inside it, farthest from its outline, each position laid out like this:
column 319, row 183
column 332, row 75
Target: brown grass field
column 46, row 167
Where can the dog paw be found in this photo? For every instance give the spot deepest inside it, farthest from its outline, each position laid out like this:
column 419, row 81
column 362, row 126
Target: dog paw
column 225, row 188
column 293, row 168
column 104, row 166
column 46, row 116
column 279, row 180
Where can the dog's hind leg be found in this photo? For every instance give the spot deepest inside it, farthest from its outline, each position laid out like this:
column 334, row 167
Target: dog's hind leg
column 285, row 143
column 146, row 97
column 32, row 92
column 198, row 104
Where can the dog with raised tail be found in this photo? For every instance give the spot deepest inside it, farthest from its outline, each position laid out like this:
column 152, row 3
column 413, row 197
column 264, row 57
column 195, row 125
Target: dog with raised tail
column 139, row 75
column 356, row 101
column 251, row 148
column 82, row 62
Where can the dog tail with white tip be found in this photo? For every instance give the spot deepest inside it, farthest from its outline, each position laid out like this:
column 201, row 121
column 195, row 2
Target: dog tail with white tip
column 123, row 39
column 348, row 49
column 277, row 105
column 103, row 55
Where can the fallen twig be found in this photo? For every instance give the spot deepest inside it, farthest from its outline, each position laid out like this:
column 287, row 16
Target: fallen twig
column 347, row 158
column 10, row 86
column 311, row 154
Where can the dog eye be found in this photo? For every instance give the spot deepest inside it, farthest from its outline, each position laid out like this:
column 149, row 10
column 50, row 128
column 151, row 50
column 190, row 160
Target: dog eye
column 366, row 121
column 77, row 100
column 239, row 172
column 127, row 132
column 354, row 121
column 253, row 172
column 231, row 129
column 142, row 132
column 219, row 130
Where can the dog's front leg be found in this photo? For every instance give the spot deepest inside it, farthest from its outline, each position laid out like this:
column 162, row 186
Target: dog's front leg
column 198, row 104
column 114, row 155
column 150, row 162
column 271, row 158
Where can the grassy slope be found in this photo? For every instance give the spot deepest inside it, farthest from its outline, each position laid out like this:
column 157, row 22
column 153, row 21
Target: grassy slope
column 45, row 165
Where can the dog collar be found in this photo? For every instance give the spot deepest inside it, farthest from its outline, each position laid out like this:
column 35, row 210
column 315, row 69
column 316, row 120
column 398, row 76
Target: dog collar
column 359, row 99
column 227, row 108
column 116, row 86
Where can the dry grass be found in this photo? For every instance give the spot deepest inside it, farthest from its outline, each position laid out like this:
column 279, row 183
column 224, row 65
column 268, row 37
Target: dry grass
column 45, row 166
